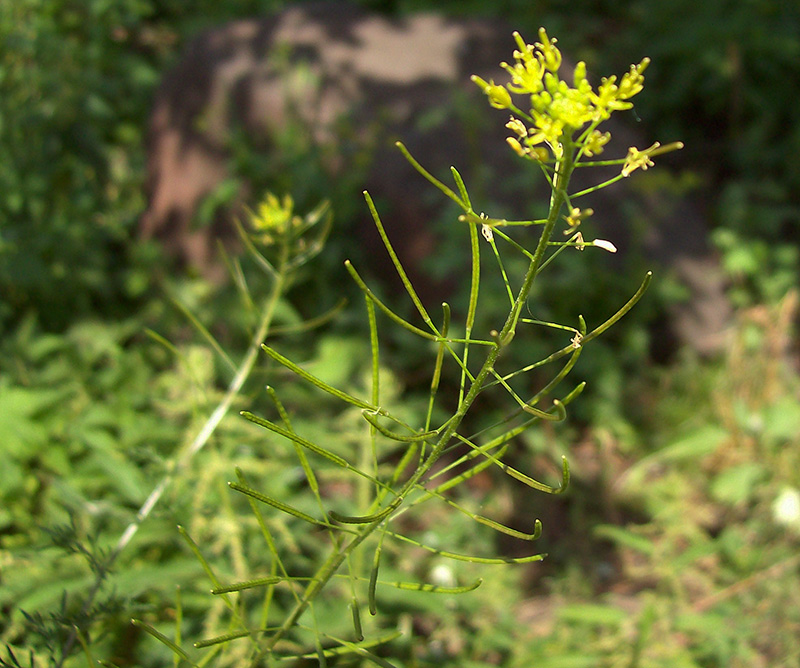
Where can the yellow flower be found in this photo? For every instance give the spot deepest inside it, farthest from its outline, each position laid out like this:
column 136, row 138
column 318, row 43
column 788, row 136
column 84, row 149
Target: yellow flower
column 576, row 217
column 273, row 215
column 633, row 81
column 557, row 110
column 517, row 147
column 517, row 127
column 595, row 142
column 526, row 73
column 550, row 54
column 637, row 158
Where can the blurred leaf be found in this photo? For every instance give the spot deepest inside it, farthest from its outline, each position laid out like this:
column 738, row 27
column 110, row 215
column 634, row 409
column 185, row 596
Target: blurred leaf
column 337, row 359
column 737, row 485
column 625, row 538
column 693, row 446
column 708, row 623
column 782, row 419
column 689, row 448
column 23, row 429
column 571, row 661
column 12, row 476
column 122, row 474
column 592, row 614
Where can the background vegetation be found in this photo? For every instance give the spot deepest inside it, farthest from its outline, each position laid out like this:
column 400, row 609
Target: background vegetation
column 677, row 545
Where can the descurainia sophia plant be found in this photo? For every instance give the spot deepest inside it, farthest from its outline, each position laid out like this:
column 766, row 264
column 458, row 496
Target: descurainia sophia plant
column 401, row 464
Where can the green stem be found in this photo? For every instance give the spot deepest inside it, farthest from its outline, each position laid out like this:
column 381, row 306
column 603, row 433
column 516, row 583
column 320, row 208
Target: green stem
column 336, row 558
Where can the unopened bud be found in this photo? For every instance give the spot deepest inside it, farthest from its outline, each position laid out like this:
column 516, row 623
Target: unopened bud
column 605, row 245
column 498, row 96
column 517, row 127
column 517, row 147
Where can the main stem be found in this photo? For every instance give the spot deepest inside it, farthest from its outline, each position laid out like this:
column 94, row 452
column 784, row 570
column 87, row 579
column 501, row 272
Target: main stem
column 564, row 168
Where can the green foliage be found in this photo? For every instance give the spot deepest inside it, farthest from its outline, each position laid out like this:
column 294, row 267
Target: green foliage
column 76, row 80
column 70, row 161
column 716, row 548
column 105, row 446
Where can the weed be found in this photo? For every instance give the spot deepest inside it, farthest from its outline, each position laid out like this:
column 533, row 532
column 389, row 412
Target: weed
column 338, row 561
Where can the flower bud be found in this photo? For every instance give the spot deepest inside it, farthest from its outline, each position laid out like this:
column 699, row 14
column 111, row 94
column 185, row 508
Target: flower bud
column 517, row 147
column 605, row 245
column 517, row 127
column 498, row 96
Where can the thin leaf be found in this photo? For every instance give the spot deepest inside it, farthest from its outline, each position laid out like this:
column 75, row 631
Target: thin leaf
column 265, row 264
column 90, row 661
column 625, row 538
column 207, row 335
column 224, row 638
column 348, row 647
column 397, row 264
column 248, row 584
column 274, row 354
column 360, row 519
column 197, row 553
column 466, row 557
column 311, row 323
column 436, row 182
column 280, row 505
column 373, row 580
column 434, row 589
column 394, row 436
column 138, row 623
column 178, row 621
column 356, row 612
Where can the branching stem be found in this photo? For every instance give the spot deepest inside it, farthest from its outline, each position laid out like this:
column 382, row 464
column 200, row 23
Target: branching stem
column 337, row 557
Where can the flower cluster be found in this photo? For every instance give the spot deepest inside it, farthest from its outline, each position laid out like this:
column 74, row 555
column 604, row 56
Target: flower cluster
column 558, row 111
column 273, row 218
